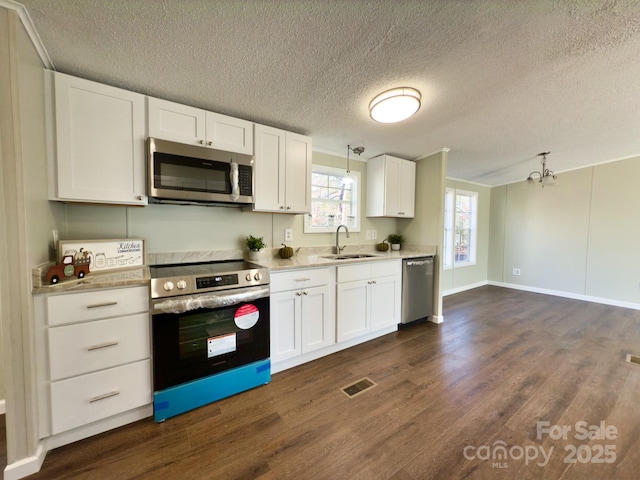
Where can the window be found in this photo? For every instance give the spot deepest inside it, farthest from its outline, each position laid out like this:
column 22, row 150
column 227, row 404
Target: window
column 334, row 201
column 460, row 219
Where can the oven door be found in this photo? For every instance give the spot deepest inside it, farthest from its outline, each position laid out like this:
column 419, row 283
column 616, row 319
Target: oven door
column 198, row 343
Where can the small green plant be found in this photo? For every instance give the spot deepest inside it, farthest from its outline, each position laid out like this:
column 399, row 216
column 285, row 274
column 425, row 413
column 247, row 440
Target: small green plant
column 395, row 238
column 255, row 243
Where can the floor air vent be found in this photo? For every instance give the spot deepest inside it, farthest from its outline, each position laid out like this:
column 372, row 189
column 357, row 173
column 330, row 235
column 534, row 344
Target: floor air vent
column 633, row 359
column 361, row 386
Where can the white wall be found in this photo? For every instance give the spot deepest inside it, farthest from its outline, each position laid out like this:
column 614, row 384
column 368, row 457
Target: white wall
column 577, row 238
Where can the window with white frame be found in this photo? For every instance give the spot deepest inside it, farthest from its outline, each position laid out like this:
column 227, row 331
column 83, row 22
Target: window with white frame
column 334, row 200
column 460, row 235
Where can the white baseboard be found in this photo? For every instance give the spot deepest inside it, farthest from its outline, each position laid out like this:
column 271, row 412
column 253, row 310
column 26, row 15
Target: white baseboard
column 464, row 288
column 574, row 296
column 436, row 319
column 26, row 466
column 3, row 407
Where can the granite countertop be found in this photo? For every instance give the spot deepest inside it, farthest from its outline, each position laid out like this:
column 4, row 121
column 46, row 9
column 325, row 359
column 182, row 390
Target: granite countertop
column 115, row 278
column 305, row 257
column 310, row 257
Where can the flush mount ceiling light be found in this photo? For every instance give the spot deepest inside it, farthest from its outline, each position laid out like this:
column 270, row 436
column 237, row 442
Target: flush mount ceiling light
column 546, row 177
column 395, row 105
column 357, row 150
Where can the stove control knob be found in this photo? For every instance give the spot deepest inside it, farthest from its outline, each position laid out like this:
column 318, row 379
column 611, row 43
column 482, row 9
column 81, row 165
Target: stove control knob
column 181, row 284
column 258, row 276
column 168, row 286
column 248, row 277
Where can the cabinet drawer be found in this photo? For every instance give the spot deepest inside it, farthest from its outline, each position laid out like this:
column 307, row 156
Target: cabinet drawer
column 351, row 273
column 93, row 305
column 87, row 347
column 85, row 399
column 292, row 280
column 384, row 269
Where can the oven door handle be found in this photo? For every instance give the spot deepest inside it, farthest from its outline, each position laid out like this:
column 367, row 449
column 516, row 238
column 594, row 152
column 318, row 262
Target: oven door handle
column 187, row 303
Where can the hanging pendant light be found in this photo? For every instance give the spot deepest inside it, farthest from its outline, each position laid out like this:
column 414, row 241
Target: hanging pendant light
column 357, row 150
column 546, row 177
column 395, row 105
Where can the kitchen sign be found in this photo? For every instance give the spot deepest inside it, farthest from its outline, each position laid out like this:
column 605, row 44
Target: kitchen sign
column 106, row 255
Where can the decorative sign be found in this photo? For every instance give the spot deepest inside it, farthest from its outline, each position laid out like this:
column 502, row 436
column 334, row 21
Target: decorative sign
column 106, row 254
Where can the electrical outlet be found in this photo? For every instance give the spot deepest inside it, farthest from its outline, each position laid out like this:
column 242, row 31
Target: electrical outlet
column 374, row 234
column 368, row 235
column 288, row 235
column 516, row 271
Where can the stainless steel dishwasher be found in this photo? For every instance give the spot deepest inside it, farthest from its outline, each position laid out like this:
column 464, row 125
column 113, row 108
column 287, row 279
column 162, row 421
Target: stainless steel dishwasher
column 417, row 288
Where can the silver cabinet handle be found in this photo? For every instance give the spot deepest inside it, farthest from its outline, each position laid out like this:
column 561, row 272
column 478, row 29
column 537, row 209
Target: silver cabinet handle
column 105, row 304
column 138, row 197
column 298, row 294
column 281, row 207
column 305, row 293
column 209, row 143
column 102, row 345
column 288, row 207
column 302, row 279
column 201, row 142
column 102, row 397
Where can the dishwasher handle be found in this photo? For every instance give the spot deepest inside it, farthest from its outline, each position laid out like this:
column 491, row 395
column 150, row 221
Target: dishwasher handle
column 411, row 263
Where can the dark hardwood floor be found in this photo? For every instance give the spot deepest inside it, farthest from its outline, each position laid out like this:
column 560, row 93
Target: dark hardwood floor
column 448, row 397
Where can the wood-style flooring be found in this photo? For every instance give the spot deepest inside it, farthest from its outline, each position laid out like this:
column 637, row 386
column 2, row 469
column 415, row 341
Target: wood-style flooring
column 448, row 397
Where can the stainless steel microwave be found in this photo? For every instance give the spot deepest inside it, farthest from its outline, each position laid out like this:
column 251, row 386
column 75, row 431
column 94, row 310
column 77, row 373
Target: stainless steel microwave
column 180, row 173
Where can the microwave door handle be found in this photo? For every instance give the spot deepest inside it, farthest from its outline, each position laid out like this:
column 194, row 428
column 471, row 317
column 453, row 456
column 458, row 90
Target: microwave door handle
column 233, row 175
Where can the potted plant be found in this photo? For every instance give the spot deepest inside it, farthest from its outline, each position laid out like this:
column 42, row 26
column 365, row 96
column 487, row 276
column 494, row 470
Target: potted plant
column 395, row 240
column 255, row 244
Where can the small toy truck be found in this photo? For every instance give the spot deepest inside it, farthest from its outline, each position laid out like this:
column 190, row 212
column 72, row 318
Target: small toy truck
column 69, row 266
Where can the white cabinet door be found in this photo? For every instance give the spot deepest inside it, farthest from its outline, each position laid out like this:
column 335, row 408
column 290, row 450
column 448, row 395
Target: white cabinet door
column 318, row 318
column 285, row 317
column 353, row 317
column 269, row 169
column 229, row 133
column 176, row 122
column 282, row 171
column 384, row 302
column 100, row 138
column 391, row 186
column 407, row 189
column 298, row 173
column 392, row 190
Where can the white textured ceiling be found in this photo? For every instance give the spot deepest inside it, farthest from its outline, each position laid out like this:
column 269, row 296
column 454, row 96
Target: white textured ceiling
column 501, row 80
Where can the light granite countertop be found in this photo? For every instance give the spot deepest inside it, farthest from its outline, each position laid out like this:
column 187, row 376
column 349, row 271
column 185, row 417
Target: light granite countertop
column 305, row 257
column 310, row 257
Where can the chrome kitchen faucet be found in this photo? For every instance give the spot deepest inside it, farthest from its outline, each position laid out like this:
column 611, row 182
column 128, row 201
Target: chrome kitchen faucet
column 338, row 248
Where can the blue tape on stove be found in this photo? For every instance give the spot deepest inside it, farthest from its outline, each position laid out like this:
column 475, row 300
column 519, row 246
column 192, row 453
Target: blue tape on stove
column 187, row 396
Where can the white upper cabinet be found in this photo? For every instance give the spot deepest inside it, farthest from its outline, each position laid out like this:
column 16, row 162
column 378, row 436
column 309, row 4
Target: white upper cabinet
column 98, row 154
column 282, row 171
column 185, row 124
column 391, row 184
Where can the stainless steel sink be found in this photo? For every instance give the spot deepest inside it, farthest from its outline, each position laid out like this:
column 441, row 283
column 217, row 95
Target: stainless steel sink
column 349, row 256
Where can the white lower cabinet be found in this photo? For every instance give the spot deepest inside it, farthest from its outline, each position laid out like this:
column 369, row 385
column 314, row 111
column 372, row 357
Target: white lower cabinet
column 94, row 350
column 302, row 312
column 368, row 298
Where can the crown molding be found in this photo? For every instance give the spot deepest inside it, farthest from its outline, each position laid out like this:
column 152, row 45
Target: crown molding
column 22, row 13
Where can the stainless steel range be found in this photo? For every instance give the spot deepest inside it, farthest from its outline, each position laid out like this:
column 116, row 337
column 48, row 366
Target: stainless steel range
column 210, row 325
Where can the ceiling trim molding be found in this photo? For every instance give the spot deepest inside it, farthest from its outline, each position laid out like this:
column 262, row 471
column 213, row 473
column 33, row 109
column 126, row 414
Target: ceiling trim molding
column 454, row 179
column 441, row 150
column 31, row 30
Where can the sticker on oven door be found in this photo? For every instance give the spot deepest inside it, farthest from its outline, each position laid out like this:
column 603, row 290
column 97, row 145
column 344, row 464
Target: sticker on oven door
column 247, row 316
column 221, row 344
